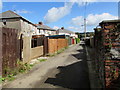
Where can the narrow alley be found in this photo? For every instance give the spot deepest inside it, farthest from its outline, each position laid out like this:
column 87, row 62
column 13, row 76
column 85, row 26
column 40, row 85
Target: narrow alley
column 68, row 44
column 67, row 70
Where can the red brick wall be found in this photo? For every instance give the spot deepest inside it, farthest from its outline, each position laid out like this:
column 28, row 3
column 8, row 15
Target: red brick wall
column 107, row 39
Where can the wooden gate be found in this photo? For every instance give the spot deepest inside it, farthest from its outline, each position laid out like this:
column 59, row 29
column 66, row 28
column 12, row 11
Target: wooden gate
column 10, row 49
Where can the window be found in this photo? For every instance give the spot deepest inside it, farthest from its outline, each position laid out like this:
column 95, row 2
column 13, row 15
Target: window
column 4, row 22
column 37, row 42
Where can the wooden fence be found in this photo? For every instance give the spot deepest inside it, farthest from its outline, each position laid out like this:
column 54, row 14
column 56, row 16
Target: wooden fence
column 45, row 46
column 10, row 49
column 107, row 53
column 0, row 51
column 56, row 44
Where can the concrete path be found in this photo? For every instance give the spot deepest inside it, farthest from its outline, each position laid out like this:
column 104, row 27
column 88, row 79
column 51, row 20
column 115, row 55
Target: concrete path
column 67, row 70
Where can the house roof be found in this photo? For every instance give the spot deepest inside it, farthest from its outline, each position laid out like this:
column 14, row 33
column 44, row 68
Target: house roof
column 58, row 36
column 44, row 27
column 111, row 21
column 11, row 15
column 65, row 31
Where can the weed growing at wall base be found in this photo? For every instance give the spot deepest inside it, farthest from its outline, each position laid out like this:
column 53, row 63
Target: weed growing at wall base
column 21, row 68
column 9, row 77
column 41, row 60
column 58, row 52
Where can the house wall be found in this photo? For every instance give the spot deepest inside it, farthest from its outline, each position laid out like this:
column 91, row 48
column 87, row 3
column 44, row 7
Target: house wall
column 36, row 52
column 42, row 32
column 22, row 26
column 45, row 32
column 34, row 30
column 76, row 36
column 12, row 23
column 50, row 32
column 73, row 35
column 53, row 32
column 26, row 49
column 26, row 29
column 64, row 34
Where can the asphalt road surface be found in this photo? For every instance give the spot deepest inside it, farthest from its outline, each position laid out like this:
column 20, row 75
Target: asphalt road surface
column 67, row 70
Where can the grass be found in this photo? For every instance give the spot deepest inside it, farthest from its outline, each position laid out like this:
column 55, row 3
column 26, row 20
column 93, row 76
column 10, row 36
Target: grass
column 61, row 50
column 58, row 52
column 41, row 60
column 51, row 55
column 9, row 77
column 66, row 47
column 1, row 79
column 21, row 68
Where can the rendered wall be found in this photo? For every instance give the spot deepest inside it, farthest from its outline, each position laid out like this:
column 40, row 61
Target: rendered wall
column 36, row 52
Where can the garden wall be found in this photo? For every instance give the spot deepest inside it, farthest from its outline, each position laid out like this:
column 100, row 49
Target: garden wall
column 107, row 52
column 36, row 52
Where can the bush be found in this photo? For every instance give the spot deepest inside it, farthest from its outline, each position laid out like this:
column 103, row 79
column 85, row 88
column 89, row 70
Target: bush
column 77, row 40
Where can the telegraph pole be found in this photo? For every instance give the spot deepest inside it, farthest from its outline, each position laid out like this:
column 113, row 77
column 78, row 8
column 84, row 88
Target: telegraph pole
column 85, row 27
column 119, row 10
column 85, row 20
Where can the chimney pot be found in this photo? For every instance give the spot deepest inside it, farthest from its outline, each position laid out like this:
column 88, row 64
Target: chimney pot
column 40, row 23
column 62, row 28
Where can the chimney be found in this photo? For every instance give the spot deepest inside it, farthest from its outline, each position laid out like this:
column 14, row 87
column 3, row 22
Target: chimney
column 62, row 28
column 40, row 23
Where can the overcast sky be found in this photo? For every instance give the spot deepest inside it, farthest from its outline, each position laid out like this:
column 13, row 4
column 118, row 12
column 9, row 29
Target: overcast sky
column 69, row 14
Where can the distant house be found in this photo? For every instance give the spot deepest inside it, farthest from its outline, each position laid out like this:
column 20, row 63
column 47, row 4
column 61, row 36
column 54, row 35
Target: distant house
column 45, row 30
column 26, row 29
column 63, row 31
